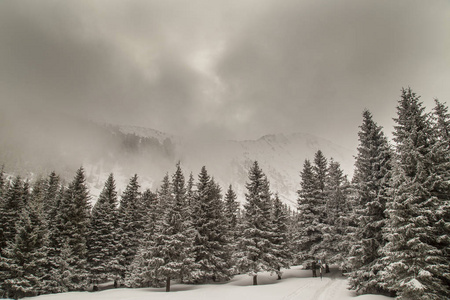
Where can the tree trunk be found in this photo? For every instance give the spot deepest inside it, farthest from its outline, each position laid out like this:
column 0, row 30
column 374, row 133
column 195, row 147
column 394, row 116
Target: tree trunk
column 116, row 284
column 168, row 284
column 255, row 279
column 327, row 268
column 279, row 273
column 95, row 286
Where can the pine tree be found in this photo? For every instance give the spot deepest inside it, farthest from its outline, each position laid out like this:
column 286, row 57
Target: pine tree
column 280, row 237
column 130, row 225
column 255, row 244
column 56, row 243
column 308, row 235
column 212, row 239
column 231, row 212
column 10, row 209
column 371, row 184
column 52, row 187
column 24, row 262
column 416, row 266
column 3, row 184
column 320, row 174
column 103, row 254
column 169, row 254
column 73, row 229
column 336, row 228
column 441, row 158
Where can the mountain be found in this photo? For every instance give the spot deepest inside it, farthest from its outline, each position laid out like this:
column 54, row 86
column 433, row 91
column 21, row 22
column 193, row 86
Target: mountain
column 281, row 156
column 129, row 150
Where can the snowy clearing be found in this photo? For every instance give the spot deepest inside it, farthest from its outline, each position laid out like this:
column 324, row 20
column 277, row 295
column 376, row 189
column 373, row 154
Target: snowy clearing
column 296, row 284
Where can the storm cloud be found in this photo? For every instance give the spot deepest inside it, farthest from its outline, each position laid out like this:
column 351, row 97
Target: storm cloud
column 222, row 69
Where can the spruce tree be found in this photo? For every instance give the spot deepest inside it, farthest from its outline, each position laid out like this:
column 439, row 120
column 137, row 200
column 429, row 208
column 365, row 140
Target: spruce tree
column 231, row 212
column 169, row 254
column 24, row 261
column 50, row 197
column 255, row 246
column 73, row 229
column 320, row 171
column 280, row 238
column 3, row 183
column 416, row 265
column 336, row 228
column 103, row 252
column 308, row 235
column 211, row 244
column 10, row 209
column 138, row 275
column 371, row 184
column 130, row 225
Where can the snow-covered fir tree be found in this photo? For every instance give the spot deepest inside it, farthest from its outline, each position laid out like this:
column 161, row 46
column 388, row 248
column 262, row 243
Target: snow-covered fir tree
column 129, row 224
column 10, row 209
column 73, row 230
column 168, row 255
column 320, row 173
column 371, row 184
column 24, row 262
column 103, row 247
column 138, row 272
column 231, row 213
column 255, row 246
column 336, row 228
column 3, row 183
column 415, row 263
column 308, row 233
column 280, row 238
column 441, row 150
column 211, row 243
column 50, row 197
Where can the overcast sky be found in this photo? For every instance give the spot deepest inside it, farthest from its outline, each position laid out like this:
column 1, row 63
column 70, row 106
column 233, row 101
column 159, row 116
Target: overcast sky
column 235, row 69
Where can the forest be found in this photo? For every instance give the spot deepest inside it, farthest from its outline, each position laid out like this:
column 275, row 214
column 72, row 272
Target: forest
column 387, row 229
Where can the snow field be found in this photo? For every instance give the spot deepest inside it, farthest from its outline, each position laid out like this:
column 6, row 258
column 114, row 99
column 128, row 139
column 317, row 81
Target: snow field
column 296, row 284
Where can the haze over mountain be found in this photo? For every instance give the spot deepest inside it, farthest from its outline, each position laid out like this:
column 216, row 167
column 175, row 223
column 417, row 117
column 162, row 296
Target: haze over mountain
column 126, row 150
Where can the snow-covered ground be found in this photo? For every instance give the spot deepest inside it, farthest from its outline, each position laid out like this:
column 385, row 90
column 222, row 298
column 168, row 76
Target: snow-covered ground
column 296, row 284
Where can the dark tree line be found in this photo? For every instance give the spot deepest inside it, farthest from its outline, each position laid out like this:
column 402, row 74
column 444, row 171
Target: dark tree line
column 387, row 229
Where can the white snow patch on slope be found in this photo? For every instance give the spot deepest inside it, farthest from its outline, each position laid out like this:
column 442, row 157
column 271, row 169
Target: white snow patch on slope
column 296, row 284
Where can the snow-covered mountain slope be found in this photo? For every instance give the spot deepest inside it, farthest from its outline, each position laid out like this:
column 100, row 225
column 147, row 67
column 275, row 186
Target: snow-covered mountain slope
column 129, row 150
column 281, row 157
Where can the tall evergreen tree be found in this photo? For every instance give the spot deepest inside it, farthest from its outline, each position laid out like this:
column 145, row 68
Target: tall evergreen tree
column 336, row 228
column 52, row 187
column 130, row 225
column 73, row 227
column 231, row 212
column 10, row 209
column 371, row 184
column 212, row 238
column 169, row 254
column 280, row 239
column 416, row 266
column 3, row 183
column 103, row 248
column 320, row 174
column 256, row 242
column 24, row 261
column 308, row 233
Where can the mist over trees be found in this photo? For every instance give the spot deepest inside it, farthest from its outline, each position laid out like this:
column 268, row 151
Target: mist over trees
column 387, row 228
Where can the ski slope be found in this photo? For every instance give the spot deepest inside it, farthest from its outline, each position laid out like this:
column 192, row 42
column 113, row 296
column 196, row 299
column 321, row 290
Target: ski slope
column 296, row 284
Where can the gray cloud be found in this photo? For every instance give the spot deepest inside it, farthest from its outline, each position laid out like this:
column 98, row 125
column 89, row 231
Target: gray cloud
column 233, row 69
